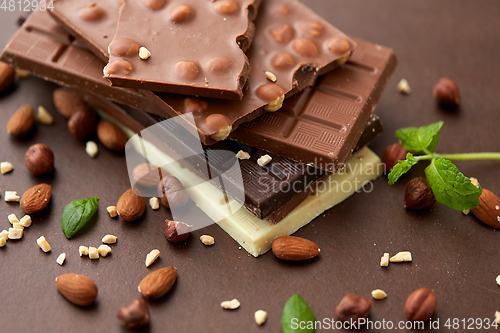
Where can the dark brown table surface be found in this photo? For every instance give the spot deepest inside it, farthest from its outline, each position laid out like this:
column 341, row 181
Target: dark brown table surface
column 455, row 255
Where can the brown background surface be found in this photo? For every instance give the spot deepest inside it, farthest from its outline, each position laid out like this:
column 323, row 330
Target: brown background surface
column 455, row 255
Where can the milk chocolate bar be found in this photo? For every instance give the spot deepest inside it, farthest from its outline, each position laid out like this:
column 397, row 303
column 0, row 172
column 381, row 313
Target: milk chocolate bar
column 291, row 42
column 189, row 47
column 321, row 126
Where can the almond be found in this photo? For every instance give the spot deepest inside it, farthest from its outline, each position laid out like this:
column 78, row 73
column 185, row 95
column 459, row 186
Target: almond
column 294, row 248
column 67, row 103
column 158, row 283
column 488, row 210
column 82, row 123
column 130, row 206
column 148, row 175
column 7, row 75
column 111, row 136
column 21, row 121
column 36, row 198
column 78, row 289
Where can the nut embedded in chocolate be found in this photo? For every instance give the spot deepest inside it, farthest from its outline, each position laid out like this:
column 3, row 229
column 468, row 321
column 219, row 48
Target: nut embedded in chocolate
column 312, row 28
column 123, row 47
column 194, row 105
column 118, row 66
column 282, row 34
column 446, row 93
column 282, row 61
column 339, row 45
column 176, row 231
column 39, row 159
column 421, row 304
column 186, row 70
column 135, row 315
column 353, row 307
column 91, row 13
column 172, row 193
column 226, row 6
column 154, row 4
column 305, row 48
column 392, row 154
column 218, row 65
column 418, row 194
column 220, row 124
column 181, row 13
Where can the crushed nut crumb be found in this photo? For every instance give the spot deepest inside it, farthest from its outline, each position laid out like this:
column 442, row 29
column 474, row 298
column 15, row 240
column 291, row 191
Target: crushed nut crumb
column 6, row 167
column 384, row 261
column 404, row 87
column 154, row 203
column 144, row 53
column 15, row 233
column 230, row 305
column 93, row 254
column 109, row 239
column 151, row 257
column 260, row 317
column 44, row 117
column 83, row 250
column 91, row 149
column 43, row 244
column 60, row 259
column 3, row 241
column 25, row 221
column 4, row 234
column 112, row 211
column 104, row 250
column 207, row 240
column 271, row 77
column 401, row 257
column 264, row 160
column 11, row 196
column 17, row 225
column 379, row 294
column 13, row 218
column 243, row 155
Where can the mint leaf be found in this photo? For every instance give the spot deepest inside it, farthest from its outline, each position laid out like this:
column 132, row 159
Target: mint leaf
column 451, row 187
column 76, row 214
column 401, row 168
column 418, row 140
column 297, row 316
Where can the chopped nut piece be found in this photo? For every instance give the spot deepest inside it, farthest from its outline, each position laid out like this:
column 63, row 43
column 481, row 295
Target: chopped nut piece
column 154, row 202
column 15, row 233
column 230, row 305
column 6, row 167
column 104, row 250
column 44, row 245
column 243, row 155
column 4, row 234
column 17, row 225
column 60, row 259
column 112, row 211
column 83, row 250
column 498, row 280
column 379, row 294
column 260, row 317
column 3, row 241
column 384, row 261
column 44, row 117
column 497, row 315
column 91, row 149
column 11, row 196
column 400, row 257
column 93, row 254
column 22, row 74
column 404, row 87
column 275, row 105
column 109, row 239
column 474, row 182
column 207, row 240
column 13, row 218
column 151, row 257
column 264, row 160
column 25, row 221
column 271, row 77
column 144, row 53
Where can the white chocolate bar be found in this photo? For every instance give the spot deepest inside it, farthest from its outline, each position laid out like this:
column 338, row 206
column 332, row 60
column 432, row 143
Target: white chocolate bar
column 253, row 234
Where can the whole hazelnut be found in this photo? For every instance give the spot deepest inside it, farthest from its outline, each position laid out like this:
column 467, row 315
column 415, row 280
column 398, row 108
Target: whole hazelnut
column 418, row 194
column 421, row 304
column 39, row 159
column 135, row 315
column 177, row 232
column 392, row 154
column 82, row 123
column 172, row 193
column 446, row 93
column 353, row 307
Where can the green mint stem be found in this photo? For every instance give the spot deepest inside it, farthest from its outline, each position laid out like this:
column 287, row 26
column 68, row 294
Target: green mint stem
column 468, row 156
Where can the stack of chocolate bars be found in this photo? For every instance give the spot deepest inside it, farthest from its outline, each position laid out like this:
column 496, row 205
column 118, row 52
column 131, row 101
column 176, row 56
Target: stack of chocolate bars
column 258, row 77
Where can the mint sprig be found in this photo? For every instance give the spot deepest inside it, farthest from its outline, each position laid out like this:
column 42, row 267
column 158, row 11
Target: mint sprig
column 76, row 214
column 297, row 317
column 449, row 185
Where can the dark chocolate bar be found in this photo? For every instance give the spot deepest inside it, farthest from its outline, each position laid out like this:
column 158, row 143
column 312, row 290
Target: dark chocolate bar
column 189, row 47
column 292, row 42
column 322, row 126
column 271, row 192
